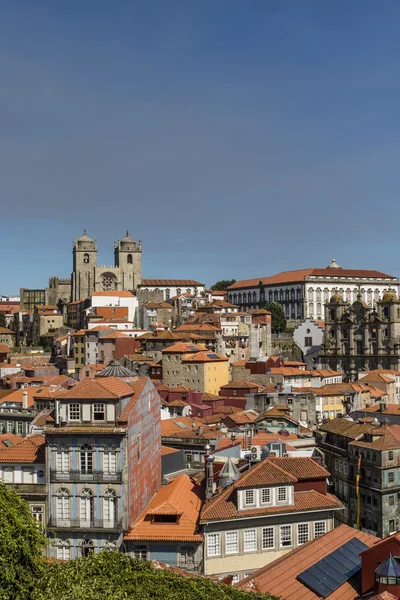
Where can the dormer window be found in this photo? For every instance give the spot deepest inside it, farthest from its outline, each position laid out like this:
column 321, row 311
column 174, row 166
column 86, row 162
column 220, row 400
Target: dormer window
column 165, row 519
column 249, row 497
column 98, row 412
column 282, row 494
column 74, row 412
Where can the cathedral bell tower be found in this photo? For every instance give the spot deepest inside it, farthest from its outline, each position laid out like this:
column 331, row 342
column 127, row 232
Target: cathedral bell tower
column 128, row 257
column 84, row 252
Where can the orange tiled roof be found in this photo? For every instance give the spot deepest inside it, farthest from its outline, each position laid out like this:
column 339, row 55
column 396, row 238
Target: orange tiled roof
column 280, row 576
column 181, row 348
column 197, row 327
column 301, row 467
column 240, row 384
column 304, row 274
column 108, row 388
column 9, row 437
column 4, row 349
column 17, row 396
column 224, row 506
column 387, row 437
column 5, row 330
column 30, row 450
column 165, row 450
column 181, row 497
column 207, row 356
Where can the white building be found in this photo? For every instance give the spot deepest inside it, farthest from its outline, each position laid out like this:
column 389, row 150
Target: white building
column 303, row 293
column 114, row 299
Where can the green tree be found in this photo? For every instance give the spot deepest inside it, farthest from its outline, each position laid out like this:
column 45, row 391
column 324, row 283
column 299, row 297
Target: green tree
column 21, row 547
column 2, row 320
column 223, row 284
column 278, row 316
column 111, row 575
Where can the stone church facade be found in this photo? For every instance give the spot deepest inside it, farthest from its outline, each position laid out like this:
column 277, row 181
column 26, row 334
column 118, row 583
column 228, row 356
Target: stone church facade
column 88, row 277
column 358, row 337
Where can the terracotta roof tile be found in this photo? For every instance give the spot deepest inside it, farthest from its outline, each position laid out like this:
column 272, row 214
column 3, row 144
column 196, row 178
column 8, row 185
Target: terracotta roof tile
column 137, row 388
column 280, row 576
column 301, row 467
column 106, row 388
column 240, row 385
column 207, row 356
column 304, row 274
column 30, row 450
column 9, row 437
column 181, row 497
column 181, row 348
column 165, row 450
column 122, row 294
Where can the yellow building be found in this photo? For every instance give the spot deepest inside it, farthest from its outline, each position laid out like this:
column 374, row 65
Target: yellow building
column 195, row 367
column 79, row 348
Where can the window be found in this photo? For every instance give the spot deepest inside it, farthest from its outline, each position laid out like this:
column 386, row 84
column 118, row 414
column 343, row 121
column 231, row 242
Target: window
column 391, row 500
column 302, row 533
column 38, row 513
column 27, row 475
column 213, row 547
column 74, row 411
column 391, row 476
column 8, row 474
column 392, row 526
column 110, row 460
column 129, row 259
column 63, row 549
column 285, row 532
column 138, row 447
column 86, row 507
column 10, row 427
column 249, row 497
column 19, row 428
column 268, row 538
column 140, row 552
column 319, row 528
column 235, row 579
column 110, row 508
column 282, row 494
column 86, row 455
column 250, row 540
column 99, row 412
column 62, row 459
column 87, row 547
column 391, row 454
column 265, row 496
column 231, row 542
column 308, row 342
column 62, row 506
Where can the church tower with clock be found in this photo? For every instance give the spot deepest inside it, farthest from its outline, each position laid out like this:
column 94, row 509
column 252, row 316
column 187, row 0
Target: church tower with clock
column 88, row 276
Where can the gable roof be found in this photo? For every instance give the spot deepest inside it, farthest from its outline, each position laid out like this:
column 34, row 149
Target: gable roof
column 106, row 388
column 304, row 274
column 280, row 576
column 30, row 450
column 183, row 498
column 171, row 282
column 181, row 348
column 301, row 467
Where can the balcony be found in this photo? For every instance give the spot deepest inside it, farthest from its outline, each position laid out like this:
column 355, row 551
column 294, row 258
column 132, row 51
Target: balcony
column 97, row 476
column 93, row 524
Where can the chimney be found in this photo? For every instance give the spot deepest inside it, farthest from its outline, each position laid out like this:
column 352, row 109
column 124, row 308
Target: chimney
column 382, row 406
column 24, row 400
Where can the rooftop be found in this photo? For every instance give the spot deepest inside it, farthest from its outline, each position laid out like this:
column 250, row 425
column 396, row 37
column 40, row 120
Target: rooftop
column 280, row 577
column 30, row 450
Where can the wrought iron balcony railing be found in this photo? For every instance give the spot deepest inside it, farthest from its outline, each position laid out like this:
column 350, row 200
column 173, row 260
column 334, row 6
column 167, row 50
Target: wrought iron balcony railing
column 97, row 476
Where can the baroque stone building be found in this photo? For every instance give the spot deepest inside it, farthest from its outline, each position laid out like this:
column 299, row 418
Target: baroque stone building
column 358, row 337
column 89, row 277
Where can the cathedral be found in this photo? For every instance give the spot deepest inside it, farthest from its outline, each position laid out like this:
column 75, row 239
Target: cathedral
column 88, row 276
column 358, row 337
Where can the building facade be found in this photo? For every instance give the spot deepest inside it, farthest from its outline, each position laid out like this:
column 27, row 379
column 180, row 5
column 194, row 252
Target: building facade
column 359, row 337
column 88, row 276
column 303, row 293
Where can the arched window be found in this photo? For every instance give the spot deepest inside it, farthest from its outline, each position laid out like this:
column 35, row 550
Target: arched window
column 178, row 291
column 254, row 297
column 326, row 295
column 319, row 310
column 62, row 460
column 376, row 295
column 63, row 549
column 270, row 296
column 234, row 298
column 86, row 258
column 311, row 309
column 332, row 314
column 276, row 295
column 311, row 294
column 87, row 547
column 318, row 294
column 386, row 312
column 110, row 460
column 110, row 545
column 62, row 507
column 369, row 297
column 188, row 290
column 129, row 259
column 240, row 298
column 109, row 508
column 167, row 294
column 86, row 507
column 348, row 295
column 280, row 295
column 86, row 453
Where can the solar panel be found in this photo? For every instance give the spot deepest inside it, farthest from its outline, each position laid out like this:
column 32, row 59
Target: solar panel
column 214, row 356
column 181, row 425
column 331, row 572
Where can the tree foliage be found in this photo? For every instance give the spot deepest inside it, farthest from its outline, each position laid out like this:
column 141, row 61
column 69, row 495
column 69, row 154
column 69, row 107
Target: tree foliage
column 21, row 547
column 111, row 575
column 2, row 319
column 278, row 316
column 223, row 284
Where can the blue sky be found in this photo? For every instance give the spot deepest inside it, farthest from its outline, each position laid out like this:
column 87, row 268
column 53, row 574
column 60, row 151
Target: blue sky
column 235, row 138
